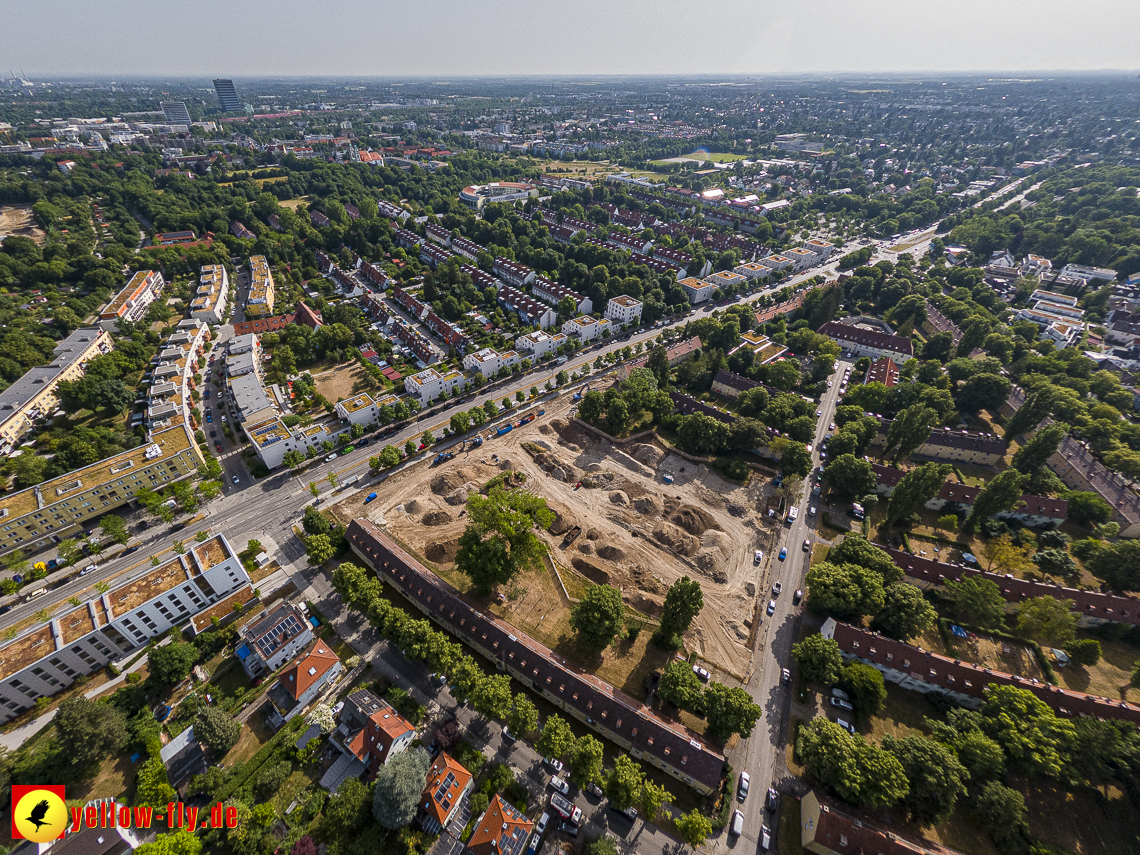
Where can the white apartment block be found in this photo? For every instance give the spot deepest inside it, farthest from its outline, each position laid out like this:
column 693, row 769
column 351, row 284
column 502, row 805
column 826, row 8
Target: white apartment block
column 697, row 290
column 209, row 304
column 131, row 303
column 776, row 263
column 48, row 657
column 586, row 328
column 624, row 310
column 821, row 249
column 271, row 640
column 359, row 410
column 489, row 362
column 752, row 270
column 724, row 279
column 272, row 439
column 802, row 259
column 430, row 384
column 538, row 344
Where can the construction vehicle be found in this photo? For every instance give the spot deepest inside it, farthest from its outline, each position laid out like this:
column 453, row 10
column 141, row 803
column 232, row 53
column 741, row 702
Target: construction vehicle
column 578, row 395
column 474, row 442
column 668, row 478
column 443, row 457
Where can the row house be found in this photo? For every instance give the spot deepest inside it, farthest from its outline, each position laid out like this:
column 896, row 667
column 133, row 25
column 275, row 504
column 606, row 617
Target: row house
column 407, row 239
column 481, row 278
column 346, row 281
column 424, row 350
column 630, row 243
column 490, row 362
column 868, row 342
column 434, row 256
column 563, row 233
column 586, row 328
column 631, row 219
column 512, row 272
column 352, row 211
column 752, row 270
column 467, row 248
column 674, row 257
column 826, row 828
column 913, row 668
column 656, row 264
column 390, row 211
column 438, row 234
column 546, row 216
column 131, row 303
column 429, row 384
column 374, row 275
column 936, row 322
column 538, row 344
column 447, row 331
column 530, row 311
column 319, row 219
column 324, row 263
column 579, row 225
column 551, row 292
column 408, row 302
column 238, row 230
column 624, row 721
column 676, row 354
column 1032, row 510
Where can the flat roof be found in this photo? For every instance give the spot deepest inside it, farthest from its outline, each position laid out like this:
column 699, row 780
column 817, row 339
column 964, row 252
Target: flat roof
column 138, row 283
column 76, row 624
column 25, row 650
column 358, row 402
column 145, row 588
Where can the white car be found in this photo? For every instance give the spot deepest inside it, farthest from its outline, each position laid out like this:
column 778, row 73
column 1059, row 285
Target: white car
column 759, row 556
column 559, row 785
column 553, row 763
column 742, row 787
column 90, row 568
column 237, row 480
column 771, row 607
column 330, row 458
column 543, row 821
column 702, row 674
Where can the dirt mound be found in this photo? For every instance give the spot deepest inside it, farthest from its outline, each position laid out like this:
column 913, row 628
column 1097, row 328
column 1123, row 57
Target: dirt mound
column 591, row 571
column 562, row 522
column 560, row 474
column 585, row 547
column 413, row 506
column 715, row 552
column 629, row 463
column 650, row 455
column 649, row 506
column 676, row 539
column 736, row 510
column 652, row 605
column 505, row 463
column 459, row 497
column 611, row 553
column 446, row 482
column 694, row 520
column 546, row 430
column 442, row 553
column 593, row 534
column 436, row 518
column 593, row 480
column 619, row 498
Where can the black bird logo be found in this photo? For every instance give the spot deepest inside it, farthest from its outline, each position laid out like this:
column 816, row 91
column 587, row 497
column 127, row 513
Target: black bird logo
column 38, row 814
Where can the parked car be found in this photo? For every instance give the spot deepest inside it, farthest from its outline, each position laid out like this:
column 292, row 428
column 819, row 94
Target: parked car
column 553, row 762
column 543, row 821
column 236, row 479
column 773, row 800
column 630, row 812
column 564, row 806
column 369, row 498
column 839, row 693
column 759, row 556
column 839, row 703
column 771, row 607
column 535, row 840
column 742, row 787
column 765, row 838
column 507, row 735
column 807, row 545
column 785, row 675
column 702, row 674
column 559, row 785
column 777, row 589
column 797, row 596
column 737, row 827
column 594, row 790
column 846, row 725
column 568, row 828
column 218, row 448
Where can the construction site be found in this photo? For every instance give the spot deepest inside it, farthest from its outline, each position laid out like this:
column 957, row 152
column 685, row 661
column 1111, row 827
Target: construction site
column 637, row 516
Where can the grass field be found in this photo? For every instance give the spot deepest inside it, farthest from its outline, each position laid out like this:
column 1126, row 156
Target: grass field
column 702, row 156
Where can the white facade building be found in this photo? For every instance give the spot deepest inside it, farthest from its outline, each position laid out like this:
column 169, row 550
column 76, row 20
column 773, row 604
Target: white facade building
column 538, row 344
column 488, row 361
column 430, row 384
column 586, row 328
column 209, row 304
column 624, row 310
column 359, row 410
column 697, row 290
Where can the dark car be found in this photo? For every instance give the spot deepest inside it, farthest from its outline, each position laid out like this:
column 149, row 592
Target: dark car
column 178, row 526
column 131, row 550
column 144, row 525
column 568, row 828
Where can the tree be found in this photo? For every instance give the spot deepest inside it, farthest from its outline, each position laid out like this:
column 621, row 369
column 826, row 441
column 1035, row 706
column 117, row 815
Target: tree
column 1003, row 554
column 730, row 711
column 314, row 522
column 1002, row 493
column 523, row 717
column 819, row 659
column 181, row 842
column 693, row 827
column 319, row 549
column 1033, row 455
column 850, row 476
column 905, row 613
column 936, row 778
column 114, row 528
column 909, row 431
column 977, row 598
column 591, row 407
column 410, row 447
column 293, row 459
column 1084, row 651
column 858, row 772
column 492, row 696
column 347, row 813
column 1087, row 508
column 601, row 846
column 270, row 778
column 171, row 663
column 658, row 363
column 844, row 591
column 217, row 730
column 982, row 392
column 683, row 602
column 1055, row 562
column 624, row 784
column 304, row 846
column 478, row 417
column 586, row 764
column 1047, row 619
column 1000, row 812
column 682, row 688
column 653, row 798
column 856, row 549
column 152, row 786
column 795, row 459
column 1027, row 730
column 399, row 783
column 556, row 738
column 428, row 438
column 599, row 616
column 88, row 731
column 460, row 422
column 499, row 541
column 948, row 522
column 67, row 550
column 915, row 489
column 866, row 686
column 1030, row 413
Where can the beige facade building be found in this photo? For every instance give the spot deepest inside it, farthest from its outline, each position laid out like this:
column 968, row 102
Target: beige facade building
column 260, row 302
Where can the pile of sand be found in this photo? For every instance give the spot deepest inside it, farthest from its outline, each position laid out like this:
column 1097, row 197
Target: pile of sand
column 618, row 497
column 459, row 497
column 558, row 473
column 447, row 482
column 591, row 571
column 715, row 551
column 737, row 510
column 546, row 429
column 436, row 518
column 570, row 435
column 650, row 455
column 593, row 534
column 611, row 553
column 585, row 547
column 671, row 537
column 442, row 553
column 413, row 506
column 505, row 463
column 630, row 464
column 562, row 522
column 649, row 506
column 694, row 520
column 593, row 480
column 652, row 605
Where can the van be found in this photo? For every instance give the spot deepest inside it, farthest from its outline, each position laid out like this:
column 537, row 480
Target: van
column 765, row 838
column 839, row 693
column 737, row 827
column 793, row 512
column 38, row 592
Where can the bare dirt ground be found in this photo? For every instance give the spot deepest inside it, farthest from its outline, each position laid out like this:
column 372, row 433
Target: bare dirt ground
column 637, row 533
column 18, row 220
column 342, row 382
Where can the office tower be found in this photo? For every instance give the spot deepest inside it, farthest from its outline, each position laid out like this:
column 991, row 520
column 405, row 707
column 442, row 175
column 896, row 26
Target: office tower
column 227, row 96
column 175, row 112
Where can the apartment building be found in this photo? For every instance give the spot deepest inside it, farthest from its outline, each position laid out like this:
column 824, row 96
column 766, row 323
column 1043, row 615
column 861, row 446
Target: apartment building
column 259, row 303
column 272, row 439
column 776, row 263
column 630, row 243
column 170, row 396
column 48, row 657
column 635, row 729
column 438, row 234
column 501, row 830
column 55, row 509
column 34, row 395
column 551, row 292
column 529, row 310
column 209, row 303
column 883, row 370
column 272, row 639
column 802, row 259
column 1031, row 510
column 538, row 345
column 302, row 682
column 512, row 272
column 697, row 290
column 359, row 410
column 624, row 310
column 477, row 195
column 467, row 248
column 862, row 341
column 752, row 270
column 828, row 829
column 586, row 328
column 821, row 249
column 433, row 256
column 490, row 362
column 429, row 384
column 131, row 303
column 724, row 279
column 369, row 732
column 175, row 113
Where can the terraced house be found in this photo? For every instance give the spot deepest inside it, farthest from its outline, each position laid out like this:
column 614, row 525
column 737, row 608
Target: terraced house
column 259, row 303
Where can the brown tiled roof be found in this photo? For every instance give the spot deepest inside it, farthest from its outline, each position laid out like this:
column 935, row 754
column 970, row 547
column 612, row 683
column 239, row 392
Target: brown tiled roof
column 317, row 659
column 734, row 381
column 446, row 780
column 964, row 494
column 502, row 830
column 843, row 834
column 546, row 671
column 867, row 338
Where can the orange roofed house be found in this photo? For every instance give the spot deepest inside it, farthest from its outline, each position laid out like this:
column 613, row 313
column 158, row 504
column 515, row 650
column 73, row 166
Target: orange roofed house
column 448, row 784
column 368, row 732
column 302, row 681
column 501, row 830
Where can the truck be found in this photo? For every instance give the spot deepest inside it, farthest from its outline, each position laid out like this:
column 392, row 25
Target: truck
column 442, row 457
column 668, row 478
column 793, row 512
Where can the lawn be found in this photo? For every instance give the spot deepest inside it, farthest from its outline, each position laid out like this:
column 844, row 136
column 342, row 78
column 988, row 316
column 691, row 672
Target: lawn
column 788, row 833
column 115, row 779
column 996, row 654
column 344, row 381
column 1110, row 677
column 254, row 734
column 903, row 714
column 704, row 156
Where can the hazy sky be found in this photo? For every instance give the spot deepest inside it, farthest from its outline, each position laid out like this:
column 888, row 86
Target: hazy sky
column 235, row 38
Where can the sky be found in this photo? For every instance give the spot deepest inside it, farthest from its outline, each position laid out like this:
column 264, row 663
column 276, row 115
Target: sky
column 441, row 38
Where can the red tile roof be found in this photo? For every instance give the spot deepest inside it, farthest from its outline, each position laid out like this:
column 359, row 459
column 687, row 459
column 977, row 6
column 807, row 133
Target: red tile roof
column 308, row 668
column 502, row 830
column 446, row 781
